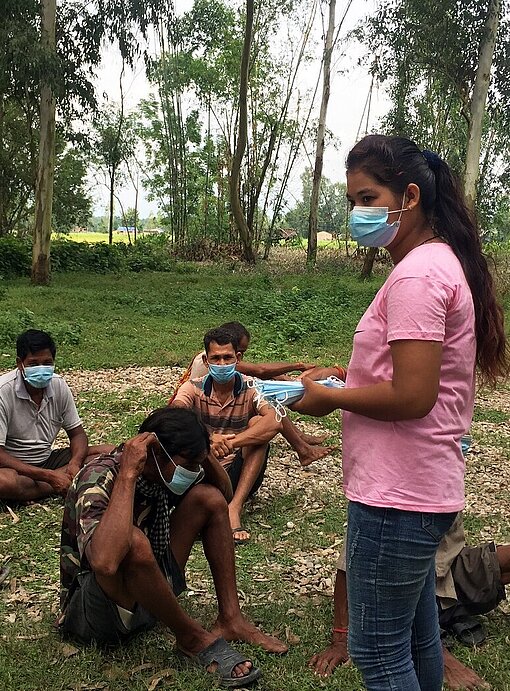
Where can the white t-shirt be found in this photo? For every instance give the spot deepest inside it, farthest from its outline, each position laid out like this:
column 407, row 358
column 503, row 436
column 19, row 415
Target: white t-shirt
column 198, row 369
column 27, row 431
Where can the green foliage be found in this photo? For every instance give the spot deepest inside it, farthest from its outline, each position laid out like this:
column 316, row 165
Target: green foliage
column 72, row 205
column 332, row 211
column 15, row 257
column 148, row 254
column 81, row 30
column 429, row 66
column 14, row 322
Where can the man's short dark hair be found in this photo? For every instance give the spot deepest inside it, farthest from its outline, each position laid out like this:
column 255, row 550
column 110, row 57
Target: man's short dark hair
column 179, row 430
column 33, row 341
column 221, row 337
column 237, row 329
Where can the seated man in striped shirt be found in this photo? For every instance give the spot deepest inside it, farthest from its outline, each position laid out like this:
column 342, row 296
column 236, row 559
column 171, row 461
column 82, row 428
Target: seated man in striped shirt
column 240, row 427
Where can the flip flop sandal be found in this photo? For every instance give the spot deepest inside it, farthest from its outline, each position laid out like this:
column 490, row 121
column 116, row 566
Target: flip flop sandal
column 241, row 540
column 468, row 630
column 221, row 653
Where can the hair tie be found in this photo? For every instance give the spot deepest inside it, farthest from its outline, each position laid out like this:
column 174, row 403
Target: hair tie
column 433, row 160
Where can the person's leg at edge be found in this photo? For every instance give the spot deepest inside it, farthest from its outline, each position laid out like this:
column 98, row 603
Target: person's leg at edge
column 204, row 510
column 253, row 461
column 140, row 580
column 458, row 677
column 389, row 557
column 16, row 487
column 307, row 452
column 503, row 554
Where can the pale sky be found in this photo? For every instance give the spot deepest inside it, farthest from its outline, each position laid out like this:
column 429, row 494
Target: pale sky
column 349, row 90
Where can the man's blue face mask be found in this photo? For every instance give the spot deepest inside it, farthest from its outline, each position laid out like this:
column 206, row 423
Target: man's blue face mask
column 222, row 374
column 182, row 479
column 38, row 376
column 369, row 225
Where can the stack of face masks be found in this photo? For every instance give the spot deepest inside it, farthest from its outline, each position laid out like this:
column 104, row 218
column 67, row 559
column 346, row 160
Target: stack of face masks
column 465, row 443
column 281, row 393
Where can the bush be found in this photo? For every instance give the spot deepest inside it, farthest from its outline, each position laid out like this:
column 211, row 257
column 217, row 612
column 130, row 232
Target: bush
column 149, row 254
column 97, row 257
column 15, row 257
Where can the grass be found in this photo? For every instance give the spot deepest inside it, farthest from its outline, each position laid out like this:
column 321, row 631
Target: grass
column 160, row 319
column 296, row 520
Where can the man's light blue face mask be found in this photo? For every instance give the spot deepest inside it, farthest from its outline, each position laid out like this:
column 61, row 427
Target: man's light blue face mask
column 38, row 376
column 222, row 374
column 182, row 479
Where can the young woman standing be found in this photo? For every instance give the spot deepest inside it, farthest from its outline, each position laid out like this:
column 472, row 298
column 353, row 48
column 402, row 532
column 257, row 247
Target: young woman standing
column 408, row 400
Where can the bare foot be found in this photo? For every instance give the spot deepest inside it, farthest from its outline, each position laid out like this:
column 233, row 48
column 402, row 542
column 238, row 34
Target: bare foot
column 458, row 677
column 313, row 439
column 234, row 517
column 240, row 535
column 326, row 662
column 309, row 454
column 241, row 629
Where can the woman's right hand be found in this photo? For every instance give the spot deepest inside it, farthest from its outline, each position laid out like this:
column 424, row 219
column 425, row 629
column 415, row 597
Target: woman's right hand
column 318, row 400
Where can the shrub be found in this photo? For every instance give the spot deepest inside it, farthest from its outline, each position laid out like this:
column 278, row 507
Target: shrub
column 15, row 257
column 98, row 257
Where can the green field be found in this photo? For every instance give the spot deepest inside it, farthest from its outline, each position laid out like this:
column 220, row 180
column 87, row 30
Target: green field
column 91, row 237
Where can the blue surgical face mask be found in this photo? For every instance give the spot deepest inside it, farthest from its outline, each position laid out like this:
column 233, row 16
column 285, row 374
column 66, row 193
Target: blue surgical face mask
column 222, row 374
column 38, row 376
column 182, row 479
column 369, row 225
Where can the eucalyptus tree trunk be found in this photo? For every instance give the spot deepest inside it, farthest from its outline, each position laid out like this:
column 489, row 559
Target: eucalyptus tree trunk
column 245, row 233
column 478, row 101
column 46, row 169
column 368, row 263
column 311, row 255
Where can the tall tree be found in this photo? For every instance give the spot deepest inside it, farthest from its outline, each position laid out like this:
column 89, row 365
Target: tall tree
column 46, row 169
column 478, row 101
column 113, row 145
column 242, row 138
column 451, row 86
column 311, row 254
column 82, row 30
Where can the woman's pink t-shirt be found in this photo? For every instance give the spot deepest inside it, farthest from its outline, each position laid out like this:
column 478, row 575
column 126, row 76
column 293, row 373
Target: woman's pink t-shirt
column 414, row 465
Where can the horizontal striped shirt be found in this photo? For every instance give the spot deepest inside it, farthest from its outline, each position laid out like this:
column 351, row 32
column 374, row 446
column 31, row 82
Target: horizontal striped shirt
column 230, row 417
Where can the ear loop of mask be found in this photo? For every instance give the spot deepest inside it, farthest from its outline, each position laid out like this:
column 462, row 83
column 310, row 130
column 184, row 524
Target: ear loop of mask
column 276, row 404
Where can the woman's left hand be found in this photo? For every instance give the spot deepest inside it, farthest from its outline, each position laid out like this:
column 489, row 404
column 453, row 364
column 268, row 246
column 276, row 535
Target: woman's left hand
column 318, row 400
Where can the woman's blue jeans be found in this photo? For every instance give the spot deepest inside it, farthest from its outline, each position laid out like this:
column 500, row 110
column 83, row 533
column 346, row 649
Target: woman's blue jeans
column 393, row 623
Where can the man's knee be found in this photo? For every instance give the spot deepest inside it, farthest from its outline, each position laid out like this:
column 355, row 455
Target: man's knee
column 9, row 484
column 206, row 497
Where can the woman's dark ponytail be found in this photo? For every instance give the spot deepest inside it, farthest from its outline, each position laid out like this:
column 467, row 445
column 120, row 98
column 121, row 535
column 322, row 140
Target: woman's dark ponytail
column 457, row 225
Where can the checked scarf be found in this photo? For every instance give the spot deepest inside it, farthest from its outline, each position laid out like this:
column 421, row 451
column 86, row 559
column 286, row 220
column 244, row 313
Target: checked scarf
column 159, row 527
